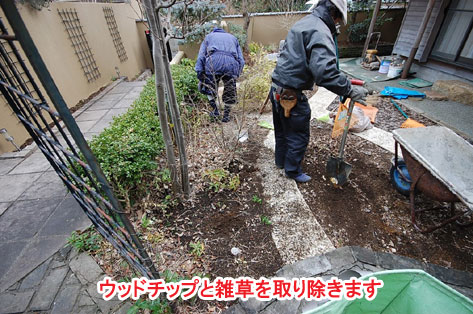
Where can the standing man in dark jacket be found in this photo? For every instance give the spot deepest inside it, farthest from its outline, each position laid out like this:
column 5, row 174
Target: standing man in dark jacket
column 220, row 58
column 308, row 57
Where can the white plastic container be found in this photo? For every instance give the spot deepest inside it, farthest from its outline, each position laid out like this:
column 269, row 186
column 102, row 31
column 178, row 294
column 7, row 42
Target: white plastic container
column 394, row 70
column 384, row 67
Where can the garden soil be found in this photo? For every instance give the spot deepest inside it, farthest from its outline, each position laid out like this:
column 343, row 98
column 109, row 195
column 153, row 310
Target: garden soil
column 370, row 213
column 227, row 220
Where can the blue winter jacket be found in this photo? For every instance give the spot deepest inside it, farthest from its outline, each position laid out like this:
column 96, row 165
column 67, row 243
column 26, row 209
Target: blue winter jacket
column 220, row 54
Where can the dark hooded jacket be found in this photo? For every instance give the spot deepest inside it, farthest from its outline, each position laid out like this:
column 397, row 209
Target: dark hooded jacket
column 309, row 56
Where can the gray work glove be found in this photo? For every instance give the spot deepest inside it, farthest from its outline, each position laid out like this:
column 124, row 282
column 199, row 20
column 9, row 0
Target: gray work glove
column 357, row 93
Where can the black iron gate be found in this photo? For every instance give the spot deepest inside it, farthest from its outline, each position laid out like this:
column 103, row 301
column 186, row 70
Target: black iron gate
column 83, row 177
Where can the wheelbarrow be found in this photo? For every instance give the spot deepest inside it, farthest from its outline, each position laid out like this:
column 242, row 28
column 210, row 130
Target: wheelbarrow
column 440, row 164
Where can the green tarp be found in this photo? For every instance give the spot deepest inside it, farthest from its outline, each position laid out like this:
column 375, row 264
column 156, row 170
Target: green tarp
column 404, row 292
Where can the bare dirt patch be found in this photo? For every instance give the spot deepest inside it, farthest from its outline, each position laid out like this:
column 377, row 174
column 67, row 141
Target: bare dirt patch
column 369, row 212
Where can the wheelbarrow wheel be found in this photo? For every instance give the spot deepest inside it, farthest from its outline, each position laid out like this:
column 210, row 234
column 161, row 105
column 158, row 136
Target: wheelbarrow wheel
column 398, row 178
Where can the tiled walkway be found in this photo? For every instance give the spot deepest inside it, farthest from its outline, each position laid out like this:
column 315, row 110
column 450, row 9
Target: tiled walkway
column 37, row 214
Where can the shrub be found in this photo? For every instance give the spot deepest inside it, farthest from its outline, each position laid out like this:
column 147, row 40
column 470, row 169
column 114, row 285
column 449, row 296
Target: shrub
column 358, row 32
column 186, row 83
column 127, row 149
column 238, row 31
column 255, row 80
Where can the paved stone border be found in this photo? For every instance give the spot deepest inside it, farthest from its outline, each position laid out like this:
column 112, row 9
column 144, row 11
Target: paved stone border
column 344, row 263
column 65, row 283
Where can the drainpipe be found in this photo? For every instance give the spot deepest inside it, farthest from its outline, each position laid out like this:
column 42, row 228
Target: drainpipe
column 420, row 34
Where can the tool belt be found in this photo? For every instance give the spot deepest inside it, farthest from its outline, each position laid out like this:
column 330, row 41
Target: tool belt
column 287, row 98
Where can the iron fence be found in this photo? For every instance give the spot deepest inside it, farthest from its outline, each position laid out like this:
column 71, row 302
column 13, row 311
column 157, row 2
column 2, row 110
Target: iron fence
column 57, row 135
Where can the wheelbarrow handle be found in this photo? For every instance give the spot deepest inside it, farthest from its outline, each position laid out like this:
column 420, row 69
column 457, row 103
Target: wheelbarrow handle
column 345, row 128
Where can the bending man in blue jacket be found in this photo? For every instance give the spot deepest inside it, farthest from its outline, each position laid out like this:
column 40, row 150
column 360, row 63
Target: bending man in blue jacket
column 308, row 57
column 220, row 58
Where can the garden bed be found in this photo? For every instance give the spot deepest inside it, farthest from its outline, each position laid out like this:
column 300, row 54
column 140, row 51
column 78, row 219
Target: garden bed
column 368, row 212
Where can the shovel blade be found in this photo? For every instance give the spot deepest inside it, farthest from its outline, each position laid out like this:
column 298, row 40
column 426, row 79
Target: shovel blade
column 338, row 171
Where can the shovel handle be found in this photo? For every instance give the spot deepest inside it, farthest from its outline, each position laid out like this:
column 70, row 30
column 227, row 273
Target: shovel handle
column 345, row 129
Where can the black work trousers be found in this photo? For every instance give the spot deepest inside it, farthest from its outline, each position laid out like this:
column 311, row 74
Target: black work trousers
column 229, row 96
column 292, row 134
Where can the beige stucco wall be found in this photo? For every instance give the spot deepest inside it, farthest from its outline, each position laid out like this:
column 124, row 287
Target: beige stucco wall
column 270, row 29
column 50, row 36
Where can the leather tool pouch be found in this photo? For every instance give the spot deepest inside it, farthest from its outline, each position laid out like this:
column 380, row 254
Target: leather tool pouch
column 288, row 100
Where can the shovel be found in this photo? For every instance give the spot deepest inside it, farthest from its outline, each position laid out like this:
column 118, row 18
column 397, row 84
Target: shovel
column 338, row 170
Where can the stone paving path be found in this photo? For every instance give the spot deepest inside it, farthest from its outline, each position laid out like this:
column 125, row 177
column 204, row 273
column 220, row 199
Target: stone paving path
column 344, row 263
column 64, row 283
column 37, row 215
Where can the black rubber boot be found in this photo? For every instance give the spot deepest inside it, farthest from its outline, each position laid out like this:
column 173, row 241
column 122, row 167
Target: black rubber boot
column 226, row 113
column 214, row 113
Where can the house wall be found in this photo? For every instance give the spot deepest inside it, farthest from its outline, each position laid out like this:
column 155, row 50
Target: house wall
column 53, row 43
column 411, row 24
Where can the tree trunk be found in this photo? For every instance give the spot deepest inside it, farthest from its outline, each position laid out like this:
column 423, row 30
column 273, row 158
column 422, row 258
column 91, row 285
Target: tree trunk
column 246, row 24
column 175, row 115
column 160, row 79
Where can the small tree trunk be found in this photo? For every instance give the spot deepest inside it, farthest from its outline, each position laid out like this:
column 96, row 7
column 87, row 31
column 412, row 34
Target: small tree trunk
column 175, row 115
column 160, row 79
column 246, row 24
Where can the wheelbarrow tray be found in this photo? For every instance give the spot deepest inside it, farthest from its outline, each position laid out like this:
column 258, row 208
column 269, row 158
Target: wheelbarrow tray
column 447, row 156
column 404, row 291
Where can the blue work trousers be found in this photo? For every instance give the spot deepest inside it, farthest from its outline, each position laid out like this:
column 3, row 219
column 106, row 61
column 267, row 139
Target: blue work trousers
column 292, row 134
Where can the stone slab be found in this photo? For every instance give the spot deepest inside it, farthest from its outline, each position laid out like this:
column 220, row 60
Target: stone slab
column 364, row 255
column 126, row 102
column 112, row 97
column 91, row 309
column 84, row 299
column 86, row 269
column 105, row 306
column 10, row 252
column 312, row 266
column 115, row 112
column 32, row 164
column 15, row 302
column 48, row 185
column 341, row 258
column 392, row 261
column 85, row 126
column 379, row 137
column 25, row 218
column 89, row 136
column 6, row 165
column 34, row 278
column 67, row 217
column 12, row 186
column 46, row 294
column 100, row 126
column 123, row 88
column 287, row 306
column 4, row 207
column 65, row 300
column 91, row 115
column 102, row 104
column 34, row 253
